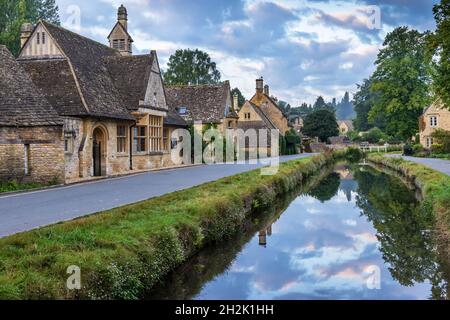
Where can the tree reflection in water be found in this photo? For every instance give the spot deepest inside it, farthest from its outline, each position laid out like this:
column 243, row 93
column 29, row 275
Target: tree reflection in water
column 404, row 230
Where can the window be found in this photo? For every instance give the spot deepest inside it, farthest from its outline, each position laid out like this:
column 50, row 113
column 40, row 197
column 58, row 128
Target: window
column 182, row 110
column 230, row 124
column 68, row 144
column 38, row 41
column 43, row 37
column 121, row 139
column 26, row 159
column 166, row 139
column 247, row 115
column 433, row 121
column 140, row 139
column 156, row 133
column 429, row 142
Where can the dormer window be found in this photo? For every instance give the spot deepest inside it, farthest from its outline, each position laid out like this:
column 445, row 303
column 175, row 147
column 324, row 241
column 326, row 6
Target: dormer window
column 182, row 110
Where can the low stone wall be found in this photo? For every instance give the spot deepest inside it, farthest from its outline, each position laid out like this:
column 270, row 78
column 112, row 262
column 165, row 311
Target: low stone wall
column 40, row 149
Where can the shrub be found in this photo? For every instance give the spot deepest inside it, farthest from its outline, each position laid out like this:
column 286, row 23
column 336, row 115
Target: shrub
column 417, row 148
column 354, row 155
column 442, row 139
column 408, row 150
column 374, row 135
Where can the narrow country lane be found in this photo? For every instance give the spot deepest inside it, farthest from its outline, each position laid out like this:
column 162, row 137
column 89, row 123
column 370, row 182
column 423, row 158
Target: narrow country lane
column 30, row 210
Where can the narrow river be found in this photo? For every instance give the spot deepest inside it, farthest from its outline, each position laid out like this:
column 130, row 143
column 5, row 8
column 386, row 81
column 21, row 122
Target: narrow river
column 358, row 234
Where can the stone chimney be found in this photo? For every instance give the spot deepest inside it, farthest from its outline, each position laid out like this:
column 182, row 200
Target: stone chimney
column 25, row 32
column 122, row 16
column 259, row 85
column 266, row 90
column 236, row 101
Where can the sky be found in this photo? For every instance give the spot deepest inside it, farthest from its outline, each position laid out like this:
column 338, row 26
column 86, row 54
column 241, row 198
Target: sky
column 302, row 48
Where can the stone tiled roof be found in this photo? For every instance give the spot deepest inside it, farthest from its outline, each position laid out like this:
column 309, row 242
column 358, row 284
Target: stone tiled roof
column 267, row 122
column 206, row 103
column 86, row 56
column 21, row 103
column 174, row 119
column 130, row 75
column 56, row 81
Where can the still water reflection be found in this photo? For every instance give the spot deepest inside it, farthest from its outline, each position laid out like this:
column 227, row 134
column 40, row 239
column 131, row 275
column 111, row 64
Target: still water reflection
column 359, row 234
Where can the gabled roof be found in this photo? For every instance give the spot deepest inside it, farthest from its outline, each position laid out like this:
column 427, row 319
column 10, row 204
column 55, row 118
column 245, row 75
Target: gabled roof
column 121, row 27
column 265, row 118
column 348, row 123
column 21, row 103
column 85, row 59
column 269, row 99
column 130, row 75
column 206, row 103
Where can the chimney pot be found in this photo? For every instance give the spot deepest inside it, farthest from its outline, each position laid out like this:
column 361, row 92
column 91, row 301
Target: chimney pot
column 122, row 16
column 259, row 85
column 266, row 90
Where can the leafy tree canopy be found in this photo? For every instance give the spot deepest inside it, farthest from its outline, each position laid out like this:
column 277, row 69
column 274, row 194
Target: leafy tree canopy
column 321, row 123
column 440, row 42
column 402, row 82
column 14, row 13
column 191, row 67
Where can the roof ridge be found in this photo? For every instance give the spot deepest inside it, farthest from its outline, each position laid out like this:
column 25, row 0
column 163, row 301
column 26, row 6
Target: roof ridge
column 45, row 22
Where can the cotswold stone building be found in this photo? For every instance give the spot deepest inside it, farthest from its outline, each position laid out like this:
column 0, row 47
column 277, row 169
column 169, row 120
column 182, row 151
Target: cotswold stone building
column 434, row 117
column 266, row 104
column 31, row 139
column 210, row 104
column 112, row 105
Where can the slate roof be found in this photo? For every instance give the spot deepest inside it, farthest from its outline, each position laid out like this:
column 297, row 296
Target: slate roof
column 97, row 88
column 21, row 103
column 130, row 75
column 174, row 119
column 206, row 103
column 56, row 81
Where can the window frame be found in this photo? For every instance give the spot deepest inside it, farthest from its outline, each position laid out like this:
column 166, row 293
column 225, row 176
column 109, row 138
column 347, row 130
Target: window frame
column 155, row 133
column 121, row 139
column 139, row 140
column 433, row 121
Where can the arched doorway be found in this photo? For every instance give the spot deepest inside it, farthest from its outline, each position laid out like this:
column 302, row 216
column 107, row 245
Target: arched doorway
column 99, row 152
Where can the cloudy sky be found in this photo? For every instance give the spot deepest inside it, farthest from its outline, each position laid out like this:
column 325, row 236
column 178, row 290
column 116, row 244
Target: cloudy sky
column 303, row 48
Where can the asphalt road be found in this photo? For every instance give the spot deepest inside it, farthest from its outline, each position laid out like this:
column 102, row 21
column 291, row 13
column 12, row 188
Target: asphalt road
column 441, row 165
column 30, row 210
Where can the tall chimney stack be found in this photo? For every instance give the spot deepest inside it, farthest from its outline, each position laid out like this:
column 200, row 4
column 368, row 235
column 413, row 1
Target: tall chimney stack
column 236, row 101
column 25, row 32
column 259, row 85
column 122, row 17
column 266, row 90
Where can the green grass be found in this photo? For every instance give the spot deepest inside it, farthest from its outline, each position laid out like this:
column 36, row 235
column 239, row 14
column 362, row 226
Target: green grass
column 435, row 188
column 123, row 252
column 13, row 185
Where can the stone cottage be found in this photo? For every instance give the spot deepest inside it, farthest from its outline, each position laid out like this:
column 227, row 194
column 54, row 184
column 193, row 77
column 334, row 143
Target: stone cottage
column 436, row 116
column 210, row 104
column 345, row 126
column 31, row 131
column 268, row 105
column 113, row 104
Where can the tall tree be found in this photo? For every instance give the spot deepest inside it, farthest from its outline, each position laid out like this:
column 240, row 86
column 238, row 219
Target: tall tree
column 321, row 104
column 344, row 109
column 402, row 81
column 441, row 44
column 191, row 67
column 286, row 107
column 241, row 98
column 321, row 123
column 363, row 101
column 14, row 13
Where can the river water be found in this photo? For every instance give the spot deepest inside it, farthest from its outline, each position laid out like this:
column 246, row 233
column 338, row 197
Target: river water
column 357, row 234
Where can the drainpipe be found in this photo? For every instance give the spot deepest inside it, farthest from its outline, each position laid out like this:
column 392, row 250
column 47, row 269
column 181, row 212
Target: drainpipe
column 131, row 145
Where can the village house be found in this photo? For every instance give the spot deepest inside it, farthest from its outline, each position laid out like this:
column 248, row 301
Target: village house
column 436, row 116
column 208, row 104
column 296, row 122
column 31, row 132
column 345, row 126
column 266, row 104
column 113, row 104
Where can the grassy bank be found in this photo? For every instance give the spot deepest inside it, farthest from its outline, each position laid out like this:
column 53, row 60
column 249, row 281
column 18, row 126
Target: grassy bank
column 13, row 185
column 123, row 252
column 435, row 187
